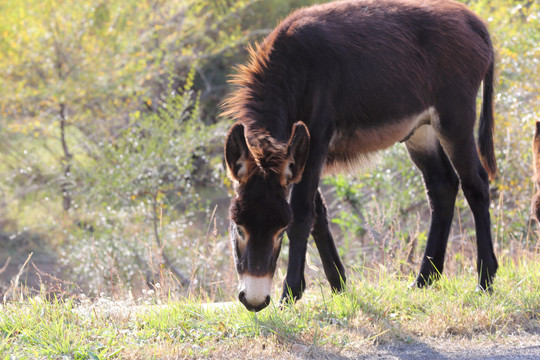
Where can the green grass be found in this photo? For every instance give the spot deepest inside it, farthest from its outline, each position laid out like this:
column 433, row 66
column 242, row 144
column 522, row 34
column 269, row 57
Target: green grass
column 377, row 307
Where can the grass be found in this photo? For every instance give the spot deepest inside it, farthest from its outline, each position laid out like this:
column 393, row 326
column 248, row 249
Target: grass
column 377, row 307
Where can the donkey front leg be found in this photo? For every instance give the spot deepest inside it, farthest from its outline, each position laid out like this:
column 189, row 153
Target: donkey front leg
column 302, row 205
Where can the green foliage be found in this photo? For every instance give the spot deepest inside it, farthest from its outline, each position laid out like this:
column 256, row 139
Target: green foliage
column 73, row 75
column 143, row 188
column 100, row 108
column 155, row 155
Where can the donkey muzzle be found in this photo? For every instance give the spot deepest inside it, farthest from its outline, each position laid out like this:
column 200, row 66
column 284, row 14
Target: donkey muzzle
column 254, row 292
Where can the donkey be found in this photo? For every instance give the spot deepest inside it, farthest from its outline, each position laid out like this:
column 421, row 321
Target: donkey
column 334, row 83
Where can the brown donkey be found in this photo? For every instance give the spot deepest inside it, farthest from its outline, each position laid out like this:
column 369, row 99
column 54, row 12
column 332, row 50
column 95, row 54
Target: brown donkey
column 334, row 83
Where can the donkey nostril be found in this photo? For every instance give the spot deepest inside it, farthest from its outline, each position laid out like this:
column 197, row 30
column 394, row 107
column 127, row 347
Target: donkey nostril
column 267, row 301
column 242, row 297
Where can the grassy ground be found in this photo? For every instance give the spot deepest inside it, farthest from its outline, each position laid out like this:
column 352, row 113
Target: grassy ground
column 378, row 307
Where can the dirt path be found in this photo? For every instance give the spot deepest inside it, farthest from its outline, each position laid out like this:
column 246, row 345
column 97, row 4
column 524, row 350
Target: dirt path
column 450, row 351
column 515, row 347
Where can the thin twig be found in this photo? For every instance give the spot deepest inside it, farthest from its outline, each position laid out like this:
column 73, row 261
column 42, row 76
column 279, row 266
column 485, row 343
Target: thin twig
column 5, row 265
column 209, row 225
column 15, row 283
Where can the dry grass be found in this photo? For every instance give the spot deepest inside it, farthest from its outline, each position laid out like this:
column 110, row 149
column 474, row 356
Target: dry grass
column 377, row 308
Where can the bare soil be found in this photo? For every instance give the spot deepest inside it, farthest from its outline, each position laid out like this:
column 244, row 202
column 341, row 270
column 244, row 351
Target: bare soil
column 523, row 346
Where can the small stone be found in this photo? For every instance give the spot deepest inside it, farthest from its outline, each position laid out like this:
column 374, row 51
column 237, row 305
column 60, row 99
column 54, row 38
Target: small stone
column 299, row 349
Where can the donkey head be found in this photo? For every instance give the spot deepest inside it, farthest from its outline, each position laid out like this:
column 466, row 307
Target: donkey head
column 263, row 171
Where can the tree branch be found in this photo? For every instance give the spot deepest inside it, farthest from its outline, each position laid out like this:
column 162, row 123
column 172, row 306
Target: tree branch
column 183, row 280
column 66, row 196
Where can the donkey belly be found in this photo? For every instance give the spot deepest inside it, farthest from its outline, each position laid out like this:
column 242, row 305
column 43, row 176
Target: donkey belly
column 351, row 148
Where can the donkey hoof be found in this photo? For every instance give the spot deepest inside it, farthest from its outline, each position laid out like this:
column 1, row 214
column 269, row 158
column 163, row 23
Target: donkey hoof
column 422, row 282
column 418, row 284
column 481, row 290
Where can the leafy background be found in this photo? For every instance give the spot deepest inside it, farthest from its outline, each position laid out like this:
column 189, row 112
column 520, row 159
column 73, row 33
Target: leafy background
column 111, row 149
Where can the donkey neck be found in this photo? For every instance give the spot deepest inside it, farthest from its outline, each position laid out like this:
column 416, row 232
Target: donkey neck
column 270, row 116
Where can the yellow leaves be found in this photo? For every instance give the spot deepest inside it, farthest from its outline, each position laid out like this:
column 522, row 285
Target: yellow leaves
column 22, row 12
column 18, row 128
column 513, row 185
column 29, row 127
column 14, row 128
column 506, row 52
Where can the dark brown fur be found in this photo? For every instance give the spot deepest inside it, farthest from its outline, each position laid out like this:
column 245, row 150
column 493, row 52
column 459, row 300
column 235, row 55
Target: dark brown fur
column 293, row 92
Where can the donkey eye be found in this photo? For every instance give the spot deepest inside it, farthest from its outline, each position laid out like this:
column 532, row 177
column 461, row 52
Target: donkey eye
column 241, row 232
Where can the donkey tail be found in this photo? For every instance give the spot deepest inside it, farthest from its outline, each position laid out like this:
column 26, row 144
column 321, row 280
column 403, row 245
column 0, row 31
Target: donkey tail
column 485, row 129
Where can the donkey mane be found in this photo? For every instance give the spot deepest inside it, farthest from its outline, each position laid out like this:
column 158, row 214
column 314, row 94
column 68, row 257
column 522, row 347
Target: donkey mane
column 249, row 81
column 246, row 105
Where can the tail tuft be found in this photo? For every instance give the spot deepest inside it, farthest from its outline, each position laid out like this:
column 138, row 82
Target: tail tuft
column 485, row 130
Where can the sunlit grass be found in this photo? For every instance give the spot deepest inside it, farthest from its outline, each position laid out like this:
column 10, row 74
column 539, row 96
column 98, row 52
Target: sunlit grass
column 372, row 310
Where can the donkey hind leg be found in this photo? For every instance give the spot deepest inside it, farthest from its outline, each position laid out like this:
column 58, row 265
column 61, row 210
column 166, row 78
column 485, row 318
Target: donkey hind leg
column 441, row 183
column 457, row 138
column 333, row 267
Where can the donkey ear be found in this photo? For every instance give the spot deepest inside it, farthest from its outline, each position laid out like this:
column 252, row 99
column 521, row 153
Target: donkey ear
column 297, row 153
column 237, row 153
